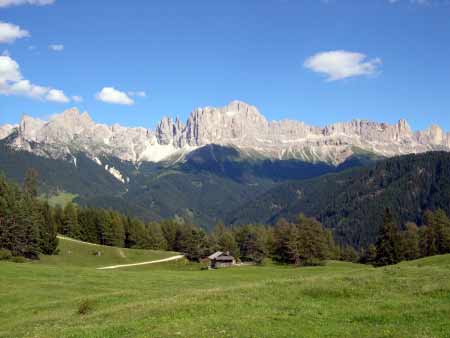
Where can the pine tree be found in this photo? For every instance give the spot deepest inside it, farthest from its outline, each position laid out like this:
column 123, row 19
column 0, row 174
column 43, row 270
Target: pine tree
column 428, row 237
column 48, row 230
column 71, row 226
column 349, row 254
column 195, row 244
column 58, row 216
column 222, row 239
column 117, row 230
column 252, row 243
column 152, row 236
column 313, row 241
column 441, row 226
column 387, row 244
column 409, row 242
column 30, row 187
column 370, row 255
column 286, row 248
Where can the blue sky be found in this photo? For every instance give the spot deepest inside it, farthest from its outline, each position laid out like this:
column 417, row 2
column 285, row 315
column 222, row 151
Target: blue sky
column 312, row 60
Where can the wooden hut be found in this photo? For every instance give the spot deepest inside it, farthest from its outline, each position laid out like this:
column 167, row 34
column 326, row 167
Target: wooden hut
column 221, row 260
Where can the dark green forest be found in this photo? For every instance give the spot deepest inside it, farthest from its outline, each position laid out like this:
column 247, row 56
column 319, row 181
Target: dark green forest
column 210, row 184
column 352, row 203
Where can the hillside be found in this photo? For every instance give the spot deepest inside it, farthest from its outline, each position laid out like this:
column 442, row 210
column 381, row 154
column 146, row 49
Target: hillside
column 211, row 181
column 83, row 254
column 353, row 202
column 337, row 300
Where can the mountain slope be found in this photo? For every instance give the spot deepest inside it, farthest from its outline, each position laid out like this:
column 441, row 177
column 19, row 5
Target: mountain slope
column 353, row 202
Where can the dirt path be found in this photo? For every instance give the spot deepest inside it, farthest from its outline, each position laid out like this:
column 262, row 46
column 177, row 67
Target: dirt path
column 173, row 258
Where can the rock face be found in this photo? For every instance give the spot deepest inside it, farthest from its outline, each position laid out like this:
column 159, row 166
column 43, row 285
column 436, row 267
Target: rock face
column 239, row 125
column 6, row 130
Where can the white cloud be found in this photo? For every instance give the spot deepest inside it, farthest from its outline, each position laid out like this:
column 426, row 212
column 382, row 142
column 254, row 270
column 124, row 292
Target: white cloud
column 139, row 94
column 340, row 64
column 8, row 3
column 114, row 96
column 77, row 98
column 10, row 33
column 9, row 69
column 56, row 48
column 56, row 95
column 13, row 83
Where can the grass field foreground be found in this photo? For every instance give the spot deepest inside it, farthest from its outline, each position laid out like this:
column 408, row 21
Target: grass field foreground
column 409, row 300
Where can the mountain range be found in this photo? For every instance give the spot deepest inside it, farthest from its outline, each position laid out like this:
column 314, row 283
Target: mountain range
column 226, row 164
column 237, row 125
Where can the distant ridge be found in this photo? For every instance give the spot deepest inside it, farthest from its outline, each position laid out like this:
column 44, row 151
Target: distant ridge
column 237, row 125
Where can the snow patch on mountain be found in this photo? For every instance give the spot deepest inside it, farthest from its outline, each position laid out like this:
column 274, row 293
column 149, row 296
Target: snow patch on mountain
column 116, row 173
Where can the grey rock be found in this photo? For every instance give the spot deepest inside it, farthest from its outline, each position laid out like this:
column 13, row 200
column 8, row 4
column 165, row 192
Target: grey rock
column 238, row 125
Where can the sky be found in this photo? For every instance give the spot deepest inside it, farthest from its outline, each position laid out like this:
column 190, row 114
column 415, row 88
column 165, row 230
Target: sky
column 319, row 61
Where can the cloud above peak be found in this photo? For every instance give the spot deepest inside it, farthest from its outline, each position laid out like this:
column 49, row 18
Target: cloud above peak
column 8, row 3
column 10, row 33
column 114, row 96
column 56, row 95
column 341, row 64
column 13, row 83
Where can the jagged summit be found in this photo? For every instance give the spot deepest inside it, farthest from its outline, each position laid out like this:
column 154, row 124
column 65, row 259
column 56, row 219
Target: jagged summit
column 238, row 124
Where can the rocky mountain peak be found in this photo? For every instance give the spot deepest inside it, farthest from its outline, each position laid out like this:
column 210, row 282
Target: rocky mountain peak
column 6, row 130
column 237, row 124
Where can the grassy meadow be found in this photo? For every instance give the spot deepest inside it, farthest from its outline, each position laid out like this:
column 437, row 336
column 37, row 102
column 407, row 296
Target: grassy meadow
column 177, row 299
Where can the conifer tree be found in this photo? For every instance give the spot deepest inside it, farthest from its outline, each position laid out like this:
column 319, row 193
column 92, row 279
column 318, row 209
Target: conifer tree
column 441, row 226
column 387, row 244
column 30, row 187
column 313, row 241
column 222, row 239
column 286, row 247
column 428, row 237
column 409, row 242
column 71, row 226
column 48, row 230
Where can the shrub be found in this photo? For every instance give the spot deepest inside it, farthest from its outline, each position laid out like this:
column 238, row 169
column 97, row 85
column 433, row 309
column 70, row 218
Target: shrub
column 85, row 307
column 5, row 254
column 19, row 259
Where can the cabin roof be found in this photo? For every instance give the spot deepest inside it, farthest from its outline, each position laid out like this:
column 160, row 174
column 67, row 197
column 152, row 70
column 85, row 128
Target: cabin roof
column 220, row 256
column 215, row 255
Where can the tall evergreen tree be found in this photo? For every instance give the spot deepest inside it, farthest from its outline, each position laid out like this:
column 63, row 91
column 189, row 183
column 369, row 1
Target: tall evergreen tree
column 286, row 248
column 428, row 237
column 222, row 239
column 441, row 226
column 71, row 227
column 252, row 243
column 409, row 242
column 48, row 230
column 313, row 241
column 387, row 244
column 30, row 186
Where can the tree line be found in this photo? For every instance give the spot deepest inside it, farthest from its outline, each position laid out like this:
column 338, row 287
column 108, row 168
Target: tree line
column 29, row 227
column 396, row 244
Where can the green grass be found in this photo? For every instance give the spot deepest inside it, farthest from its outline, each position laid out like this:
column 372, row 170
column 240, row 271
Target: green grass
column 410, row 300
column 62, row 199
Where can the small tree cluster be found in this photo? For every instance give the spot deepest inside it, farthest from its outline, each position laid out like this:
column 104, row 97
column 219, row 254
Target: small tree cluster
column 304, row 242
column 395, row 245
